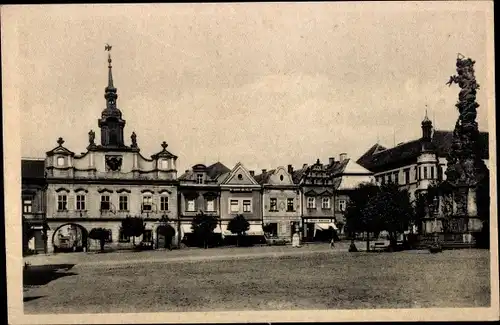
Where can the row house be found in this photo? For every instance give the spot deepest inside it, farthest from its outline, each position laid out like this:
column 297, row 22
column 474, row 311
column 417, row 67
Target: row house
column 281, row 202
column 241, row 195
column 199, row 190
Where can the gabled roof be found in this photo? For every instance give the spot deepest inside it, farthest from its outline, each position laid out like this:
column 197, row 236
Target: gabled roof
column 231, row 176
column 376, row 159
column 60, row 149
column 33, row 168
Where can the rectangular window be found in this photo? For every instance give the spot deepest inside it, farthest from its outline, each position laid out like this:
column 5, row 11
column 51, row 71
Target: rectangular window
column 164, row 203
column 342, row 205
column 432, row 172
column 289, row 205
column 382, row 178
column 425, row 172
column 199, row 178
column 62, row 202
column 147, row 203
column 105, row 206
column 247, row 207
column 311, row 203
column 123, row 238
column 80, row 202
column 27, row 206
column 325, row 203
column 123, row 203
column 407, row 176
column 396, row 177
column 210, row 205
column 234, row 206
column 272, row 229
column 191, row 205
column 273, row 206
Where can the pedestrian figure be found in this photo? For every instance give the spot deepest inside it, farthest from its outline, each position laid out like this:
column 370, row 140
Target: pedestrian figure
column 295, row 240
column 332, row 243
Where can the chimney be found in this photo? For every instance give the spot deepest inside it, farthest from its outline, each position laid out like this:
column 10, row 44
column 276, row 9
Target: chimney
column 252, row 173
column 343, row 156
column 264, row 171
column 290, row 169
column 304, row 166
column 331, row 160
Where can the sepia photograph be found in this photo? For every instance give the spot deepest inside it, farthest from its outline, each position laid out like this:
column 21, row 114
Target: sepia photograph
column 250, row 162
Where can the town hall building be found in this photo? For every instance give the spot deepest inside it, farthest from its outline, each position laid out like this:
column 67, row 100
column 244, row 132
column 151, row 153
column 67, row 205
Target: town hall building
column 107, row 183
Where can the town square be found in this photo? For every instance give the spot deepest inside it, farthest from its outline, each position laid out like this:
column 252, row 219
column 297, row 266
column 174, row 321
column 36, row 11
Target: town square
column 205, row 158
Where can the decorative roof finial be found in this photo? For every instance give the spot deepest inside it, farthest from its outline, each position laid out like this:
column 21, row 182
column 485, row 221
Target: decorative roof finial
column 107, row 47
column 164, row 145
column 60, row 141
column 426, row 118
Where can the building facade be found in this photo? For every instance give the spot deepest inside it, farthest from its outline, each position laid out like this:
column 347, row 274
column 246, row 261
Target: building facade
column 347, row 175
column 417, row 164
column 199, row 190
column 240, row 194
column 33, row 196
column 281, row 202
column 317, row 197
column 107, row 183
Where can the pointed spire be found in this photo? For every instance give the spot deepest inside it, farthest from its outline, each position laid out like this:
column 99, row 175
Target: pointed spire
column 110, row 72
column 110, row 91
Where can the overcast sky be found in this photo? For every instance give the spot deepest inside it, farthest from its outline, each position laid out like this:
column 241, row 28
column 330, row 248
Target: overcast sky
column 265, row 84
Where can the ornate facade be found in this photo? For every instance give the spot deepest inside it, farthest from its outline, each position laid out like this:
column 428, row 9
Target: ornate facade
column 281, row 202
column 108, row 182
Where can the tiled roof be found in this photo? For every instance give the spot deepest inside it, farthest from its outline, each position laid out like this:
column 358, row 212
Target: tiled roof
column 213, row 172
column 264, row 177
column 33, row 168
column 338, row 167
column 377, row 159
column 297, row 175
column 217, row 169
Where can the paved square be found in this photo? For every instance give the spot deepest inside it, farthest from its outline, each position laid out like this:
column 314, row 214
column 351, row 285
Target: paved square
column 257, row 279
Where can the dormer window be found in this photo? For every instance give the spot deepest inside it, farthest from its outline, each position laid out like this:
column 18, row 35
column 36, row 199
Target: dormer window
column 60, row 161
column 199, row 179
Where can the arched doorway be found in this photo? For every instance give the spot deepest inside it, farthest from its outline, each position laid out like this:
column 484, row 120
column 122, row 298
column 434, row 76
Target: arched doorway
column 70, row 237
column 164, row 236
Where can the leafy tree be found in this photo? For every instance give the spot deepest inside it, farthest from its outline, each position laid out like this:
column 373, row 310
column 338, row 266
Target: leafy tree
column 239, row 226
column 203, row 226
column 423, row 202
column 390, row 209
column 133, row 227
column 99, row 234
column 356, row 220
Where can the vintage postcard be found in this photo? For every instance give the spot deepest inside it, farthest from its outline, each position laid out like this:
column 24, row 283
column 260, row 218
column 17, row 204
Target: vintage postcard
column 250, row 162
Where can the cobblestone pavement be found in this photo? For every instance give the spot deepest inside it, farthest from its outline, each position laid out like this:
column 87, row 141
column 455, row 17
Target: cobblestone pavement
column 186, row 254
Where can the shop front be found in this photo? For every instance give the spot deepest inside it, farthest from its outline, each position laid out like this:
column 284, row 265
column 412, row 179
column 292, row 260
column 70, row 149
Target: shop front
column 318, row 229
